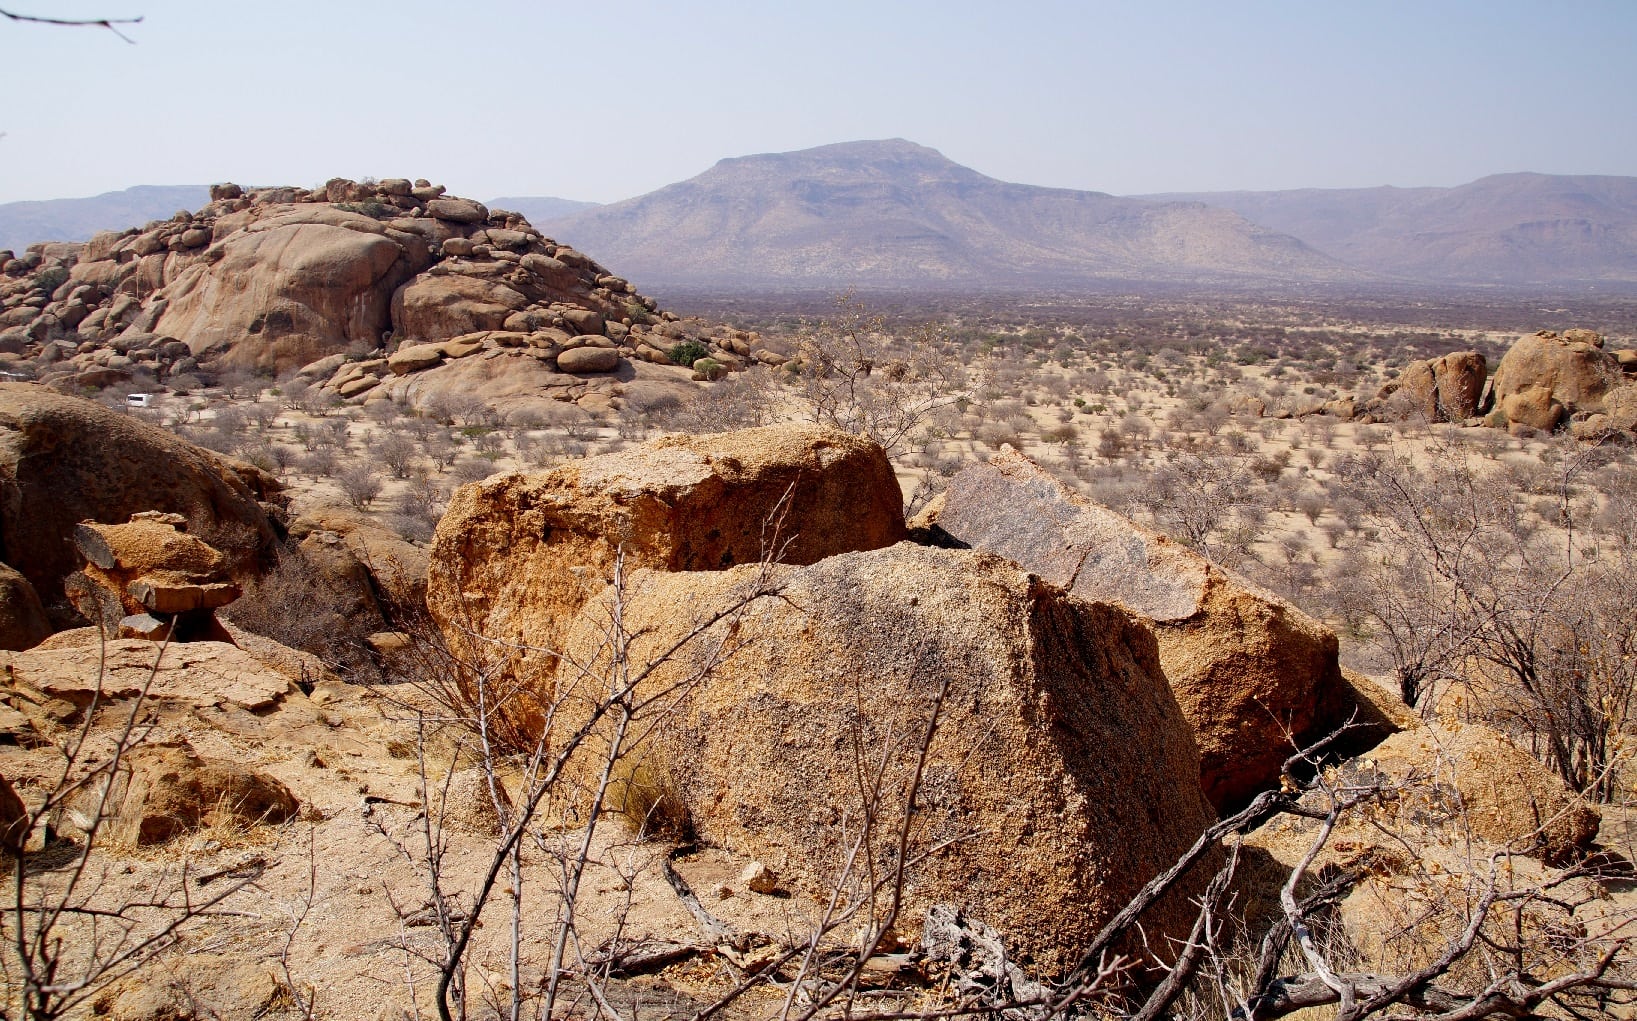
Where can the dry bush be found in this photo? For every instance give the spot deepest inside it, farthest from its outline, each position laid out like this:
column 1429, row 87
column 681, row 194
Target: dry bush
column 305, row 607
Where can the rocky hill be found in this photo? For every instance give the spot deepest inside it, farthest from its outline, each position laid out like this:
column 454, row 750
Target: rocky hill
column 355, row 285
column 1508, row 228
column 24, row 223
column 892, row 213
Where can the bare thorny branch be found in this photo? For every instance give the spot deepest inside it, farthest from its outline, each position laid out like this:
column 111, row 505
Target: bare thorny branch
column 109, row 23
column 64, row 945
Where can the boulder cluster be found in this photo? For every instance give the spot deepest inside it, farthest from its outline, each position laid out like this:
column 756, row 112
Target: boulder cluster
column 1545, row 382
column 359, row 286
column 1552, row 381
column 1034, row 705
column 1094, row 693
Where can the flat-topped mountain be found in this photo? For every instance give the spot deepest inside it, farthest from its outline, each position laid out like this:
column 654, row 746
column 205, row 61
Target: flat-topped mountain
column 895, row 213
column 1507, row 228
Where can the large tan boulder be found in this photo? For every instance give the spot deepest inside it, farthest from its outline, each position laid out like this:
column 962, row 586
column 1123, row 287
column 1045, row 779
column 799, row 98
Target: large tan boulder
column 1445, row 389
column 1620, row 404
column 1251, row 672
column 289, row 289
column 517, row 555
column 1059, row 779
column 1460, row 382
column 64, row 460
column 589, row 359
column 163, row 791
column 1547, row 376
column 1490, row 788
column 1459, row 808
column 443, row 307
column 1533, row 407
column 414, row 358
column 23, row 620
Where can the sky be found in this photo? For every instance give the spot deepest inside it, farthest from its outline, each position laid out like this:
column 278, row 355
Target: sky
column 606, row 100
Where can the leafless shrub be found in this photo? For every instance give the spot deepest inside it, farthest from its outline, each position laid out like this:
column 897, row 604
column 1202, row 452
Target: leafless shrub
column 855, row 375
column 359, row 484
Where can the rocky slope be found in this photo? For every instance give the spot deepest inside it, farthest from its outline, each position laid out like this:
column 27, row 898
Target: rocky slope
column 908, row 734
column 892, row 213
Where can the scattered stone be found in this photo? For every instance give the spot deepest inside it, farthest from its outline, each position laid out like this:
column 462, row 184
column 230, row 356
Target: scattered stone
column 758, row 878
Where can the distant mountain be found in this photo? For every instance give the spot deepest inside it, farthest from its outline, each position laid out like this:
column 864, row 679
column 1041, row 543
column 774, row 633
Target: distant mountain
column 893, row 213
column 1508, row 228
column 24, row 223
column 540, row 208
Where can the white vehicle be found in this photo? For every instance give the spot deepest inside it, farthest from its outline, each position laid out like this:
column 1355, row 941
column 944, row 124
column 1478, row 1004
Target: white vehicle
column 139, row 400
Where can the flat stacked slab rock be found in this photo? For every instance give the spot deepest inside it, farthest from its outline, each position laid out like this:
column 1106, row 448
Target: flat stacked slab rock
column 1252, row 673
column 149, row 578
column 64, row 460
column 517, row 555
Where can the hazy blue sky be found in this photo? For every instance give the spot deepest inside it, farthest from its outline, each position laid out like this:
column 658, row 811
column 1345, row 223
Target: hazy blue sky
column 604, row 100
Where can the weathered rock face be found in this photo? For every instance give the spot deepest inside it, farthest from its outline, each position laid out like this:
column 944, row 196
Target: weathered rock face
column 13, row 819
column 1498, row 790
column 1248, row 669
column 291, row 288
column 199, row 674
column 64, row 460
column 23, row 620
column 517, row 555
column 163, row 791
column 435, row 308
column 1058, row 753
column 1445, row 389
column 1546, row 378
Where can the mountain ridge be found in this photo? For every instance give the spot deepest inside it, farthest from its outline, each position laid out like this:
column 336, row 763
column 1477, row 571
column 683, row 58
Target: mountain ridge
column 892, row 211
column 1521, row 227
